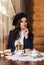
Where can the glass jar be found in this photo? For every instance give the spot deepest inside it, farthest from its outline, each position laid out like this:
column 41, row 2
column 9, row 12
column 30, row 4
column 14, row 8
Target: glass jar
column 19, row 46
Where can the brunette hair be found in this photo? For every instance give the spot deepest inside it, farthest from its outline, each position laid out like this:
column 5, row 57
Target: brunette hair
column 17, row 21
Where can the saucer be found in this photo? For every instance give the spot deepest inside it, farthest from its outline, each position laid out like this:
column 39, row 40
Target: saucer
column 18, row 52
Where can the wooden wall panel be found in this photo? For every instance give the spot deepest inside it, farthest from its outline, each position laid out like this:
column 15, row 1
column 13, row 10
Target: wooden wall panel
column 38, row 33
column 38, row 41
column 38, row 24
column 35, row 11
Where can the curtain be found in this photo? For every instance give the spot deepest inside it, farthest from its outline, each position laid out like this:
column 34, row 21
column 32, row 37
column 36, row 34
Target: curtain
column 6, row 14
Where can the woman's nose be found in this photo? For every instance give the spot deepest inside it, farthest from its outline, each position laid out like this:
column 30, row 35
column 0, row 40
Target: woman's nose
column 24, row 22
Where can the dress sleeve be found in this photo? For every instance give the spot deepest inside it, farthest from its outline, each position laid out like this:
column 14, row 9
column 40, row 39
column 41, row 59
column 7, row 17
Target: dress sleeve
column 28, row 43
column 10, row 42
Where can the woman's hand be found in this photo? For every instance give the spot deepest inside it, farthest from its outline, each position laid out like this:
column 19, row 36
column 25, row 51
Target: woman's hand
column 26, row 32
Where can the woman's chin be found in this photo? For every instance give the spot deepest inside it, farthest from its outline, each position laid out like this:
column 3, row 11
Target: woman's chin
column 24, row 28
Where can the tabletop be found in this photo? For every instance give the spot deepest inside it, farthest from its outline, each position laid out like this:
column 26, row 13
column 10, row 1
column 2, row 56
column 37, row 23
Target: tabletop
column 4, row 61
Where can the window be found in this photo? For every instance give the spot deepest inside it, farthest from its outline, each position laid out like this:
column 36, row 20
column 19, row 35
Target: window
column 6, row 14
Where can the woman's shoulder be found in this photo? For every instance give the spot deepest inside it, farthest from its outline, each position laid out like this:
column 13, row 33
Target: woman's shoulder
column 12, row 31
column 31, row 34
column 11, row 34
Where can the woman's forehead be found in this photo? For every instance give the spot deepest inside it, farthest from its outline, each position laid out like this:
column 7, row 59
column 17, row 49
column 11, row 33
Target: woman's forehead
column 24, row 19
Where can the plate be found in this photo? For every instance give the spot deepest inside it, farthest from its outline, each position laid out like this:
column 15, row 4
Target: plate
column 8, row 54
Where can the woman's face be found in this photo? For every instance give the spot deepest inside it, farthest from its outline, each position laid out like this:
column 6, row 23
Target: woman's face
column 23, row 24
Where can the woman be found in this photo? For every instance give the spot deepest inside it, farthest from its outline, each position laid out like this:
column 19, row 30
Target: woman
column 20, row 33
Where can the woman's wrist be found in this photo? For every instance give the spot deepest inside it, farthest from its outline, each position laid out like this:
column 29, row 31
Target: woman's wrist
column 26, row 37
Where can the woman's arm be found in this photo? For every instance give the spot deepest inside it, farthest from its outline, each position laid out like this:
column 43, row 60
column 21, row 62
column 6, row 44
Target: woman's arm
column 10, row 42
column 28, row 42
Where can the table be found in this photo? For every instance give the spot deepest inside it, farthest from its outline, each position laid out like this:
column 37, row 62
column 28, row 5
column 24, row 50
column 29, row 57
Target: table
column 4, row 61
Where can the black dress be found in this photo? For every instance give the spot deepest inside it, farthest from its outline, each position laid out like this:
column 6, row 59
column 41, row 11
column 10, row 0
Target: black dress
column 28, row 43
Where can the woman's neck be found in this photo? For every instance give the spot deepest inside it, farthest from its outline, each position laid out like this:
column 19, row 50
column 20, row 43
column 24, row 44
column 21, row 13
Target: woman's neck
column 22, row 29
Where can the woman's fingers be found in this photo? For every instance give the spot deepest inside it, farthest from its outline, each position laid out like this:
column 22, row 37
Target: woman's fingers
column 26, row 33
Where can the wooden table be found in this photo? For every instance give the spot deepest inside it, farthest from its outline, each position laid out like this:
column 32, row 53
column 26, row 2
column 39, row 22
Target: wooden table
column 4, row 61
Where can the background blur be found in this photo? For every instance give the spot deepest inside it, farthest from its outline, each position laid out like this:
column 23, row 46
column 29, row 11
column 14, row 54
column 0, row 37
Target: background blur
column 35, row 12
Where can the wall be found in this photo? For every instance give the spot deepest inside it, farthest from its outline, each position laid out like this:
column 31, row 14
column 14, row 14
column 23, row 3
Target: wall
column 38, row 25
column 35, row 11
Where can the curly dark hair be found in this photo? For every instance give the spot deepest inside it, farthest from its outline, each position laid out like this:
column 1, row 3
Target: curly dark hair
column 17, row 21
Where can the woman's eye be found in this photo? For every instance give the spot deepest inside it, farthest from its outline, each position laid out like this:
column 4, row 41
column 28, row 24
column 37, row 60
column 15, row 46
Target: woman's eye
column 22, row 21
column 25, row 21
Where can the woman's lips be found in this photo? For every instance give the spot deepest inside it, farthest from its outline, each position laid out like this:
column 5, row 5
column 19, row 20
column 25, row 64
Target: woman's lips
column 24, row 25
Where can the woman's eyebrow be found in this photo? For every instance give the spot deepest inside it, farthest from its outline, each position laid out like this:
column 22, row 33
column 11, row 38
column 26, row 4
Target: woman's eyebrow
column 21, row 21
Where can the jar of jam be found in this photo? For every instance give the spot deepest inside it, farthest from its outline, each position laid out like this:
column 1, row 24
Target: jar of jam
column 19, row 46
